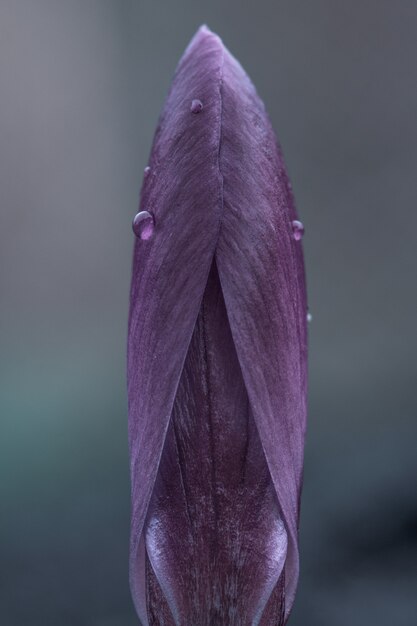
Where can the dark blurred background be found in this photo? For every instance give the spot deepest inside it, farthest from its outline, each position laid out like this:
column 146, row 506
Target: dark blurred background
column 81, row 86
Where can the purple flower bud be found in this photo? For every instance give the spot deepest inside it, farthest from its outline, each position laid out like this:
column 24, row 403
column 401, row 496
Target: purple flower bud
column 217, row 354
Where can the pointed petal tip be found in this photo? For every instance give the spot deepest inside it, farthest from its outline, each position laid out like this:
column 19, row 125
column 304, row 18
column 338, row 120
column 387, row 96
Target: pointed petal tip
column 203, row 36
column 204, row 29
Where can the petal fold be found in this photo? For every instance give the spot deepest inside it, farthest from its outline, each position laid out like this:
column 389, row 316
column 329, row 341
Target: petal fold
column 182, row 190
column 262, row 276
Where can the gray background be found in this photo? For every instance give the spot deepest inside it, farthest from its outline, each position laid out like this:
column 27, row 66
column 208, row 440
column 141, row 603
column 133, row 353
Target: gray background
column 81, row 86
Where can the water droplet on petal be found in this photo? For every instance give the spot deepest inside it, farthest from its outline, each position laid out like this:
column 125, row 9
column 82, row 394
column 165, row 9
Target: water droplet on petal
column 143, row 225
column 196, row 106
column 297, row 230
column 147, row 170
column 309, row 317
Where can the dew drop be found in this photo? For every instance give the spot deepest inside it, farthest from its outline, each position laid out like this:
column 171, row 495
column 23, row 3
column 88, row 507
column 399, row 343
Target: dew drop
column 143, row 225
column 196, row 106
column 147, row 170
column 309, row 317
column 297, row 230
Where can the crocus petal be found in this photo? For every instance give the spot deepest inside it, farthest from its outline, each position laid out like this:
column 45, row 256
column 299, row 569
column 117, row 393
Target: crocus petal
column 262, row 277
column 170, row 271
column 216, row 360
column 214, row 525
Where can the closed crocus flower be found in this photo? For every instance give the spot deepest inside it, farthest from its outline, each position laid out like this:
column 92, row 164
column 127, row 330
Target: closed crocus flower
column 216, row 359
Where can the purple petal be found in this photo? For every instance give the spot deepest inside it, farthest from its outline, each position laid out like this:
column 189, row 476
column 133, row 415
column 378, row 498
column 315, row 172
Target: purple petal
column 213, row 525
column 262, row 276
column 216, row 360
column 170, row 271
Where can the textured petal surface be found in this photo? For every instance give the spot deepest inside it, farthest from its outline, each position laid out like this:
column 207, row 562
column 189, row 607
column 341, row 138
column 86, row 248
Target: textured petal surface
column 216, row 360
column 214, row 535
column 170, row 270
column 262, row 275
